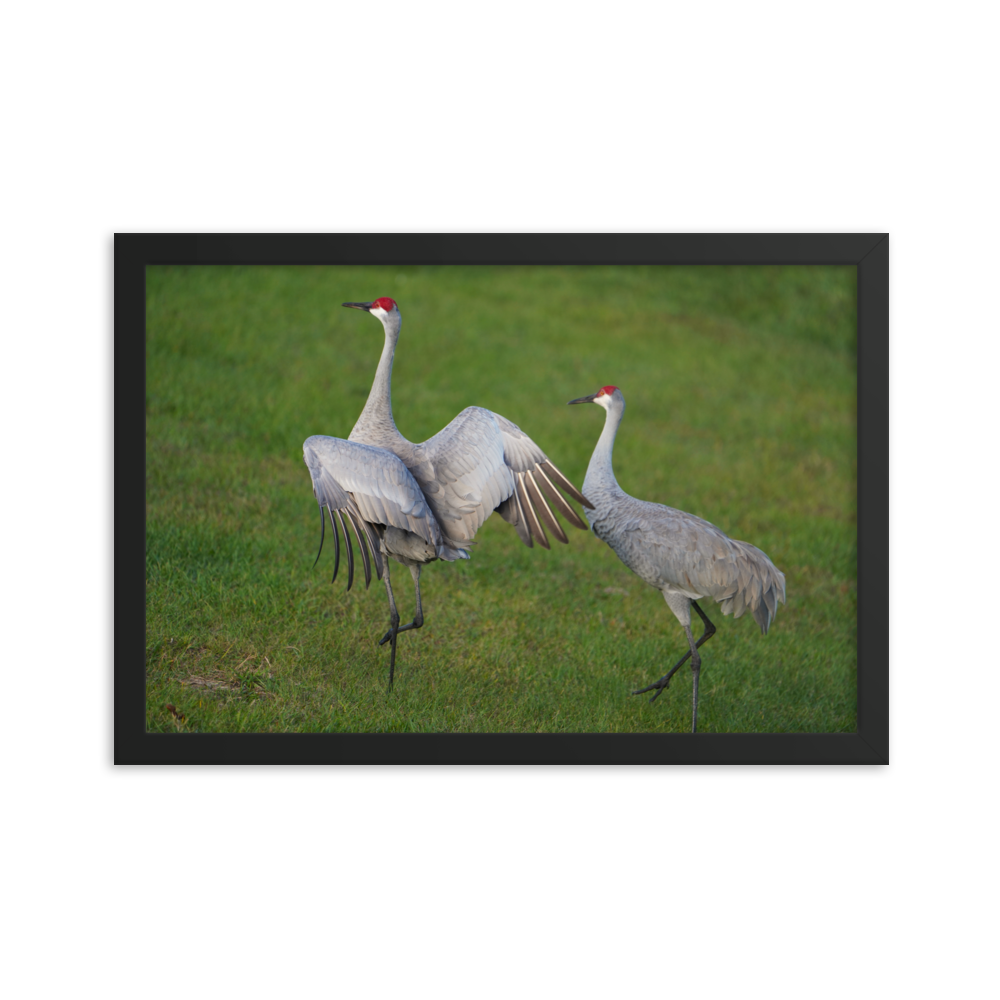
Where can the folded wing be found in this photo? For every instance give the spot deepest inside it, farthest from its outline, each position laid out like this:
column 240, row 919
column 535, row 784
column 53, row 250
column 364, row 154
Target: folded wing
column 699, row 560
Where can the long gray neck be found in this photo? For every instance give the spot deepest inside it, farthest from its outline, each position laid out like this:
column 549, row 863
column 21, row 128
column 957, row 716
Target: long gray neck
column 375, row 425
column 600, row 476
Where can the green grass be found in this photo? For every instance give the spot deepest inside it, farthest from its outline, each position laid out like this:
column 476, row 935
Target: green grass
column 740, row 384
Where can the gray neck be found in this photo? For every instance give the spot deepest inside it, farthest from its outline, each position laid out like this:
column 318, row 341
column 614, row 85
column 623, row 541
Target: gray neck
column 600, row 476
column 375, row 425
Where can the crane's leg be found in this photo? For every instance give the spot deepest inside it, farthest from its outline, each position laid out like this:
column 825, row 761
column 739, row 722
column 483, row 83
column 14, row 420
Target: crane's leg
column 696, row 671
column 692, row 654
column 393, row 619
column 418, row 617
column 395, row 627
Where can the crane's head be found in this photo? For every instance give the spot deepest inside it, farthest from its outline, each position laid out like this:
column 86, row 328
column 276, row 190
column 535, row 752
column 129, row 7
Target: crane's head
column 385, row 310
column 380, row 307
column 603, row 397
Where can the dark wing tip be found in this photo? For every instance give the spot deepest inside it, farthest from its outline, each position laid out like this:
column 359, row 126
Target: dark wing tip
column 533, row 523
column 565, row 484
column 322, row 534
column 557, row 498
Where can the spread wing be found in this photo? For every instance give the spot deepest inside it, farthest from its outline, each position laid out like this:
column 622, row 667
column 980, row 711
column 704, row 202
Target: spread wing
column 481, row 462
column 368, row 486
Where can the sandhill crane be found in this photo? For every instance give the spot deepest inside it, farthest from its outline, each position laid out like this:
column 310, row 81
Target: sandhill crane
column 421, row 502
column 682, row 556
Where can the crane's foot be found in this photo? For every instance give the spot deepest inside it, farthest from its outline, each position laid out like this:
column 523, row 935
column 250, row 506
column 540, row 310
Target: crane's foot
column 402, row 628
column 659, row 687
column 664, row 682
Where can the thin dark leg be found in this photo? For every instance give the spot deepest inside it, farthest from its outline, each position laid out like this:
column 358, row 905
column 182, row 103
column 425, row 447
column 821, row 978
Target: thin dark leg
column 394, row 619
column 664, row 682
column 392, row 660
column 696, row 669
column 418, row 617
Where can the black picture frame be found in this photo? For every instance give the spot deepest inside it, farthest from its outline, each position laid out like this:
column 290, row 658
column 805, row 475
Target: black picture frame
column 868, row 252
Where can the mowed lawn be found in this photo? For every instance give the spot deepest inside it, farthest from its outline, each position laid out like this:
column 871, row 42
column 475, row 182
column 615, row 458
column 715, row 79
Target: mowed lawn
column 740, row 385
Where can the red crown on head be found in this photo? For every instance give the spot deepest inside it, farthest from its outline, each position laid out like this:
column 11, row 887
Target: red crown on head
column 384, row 303
column 608, row 390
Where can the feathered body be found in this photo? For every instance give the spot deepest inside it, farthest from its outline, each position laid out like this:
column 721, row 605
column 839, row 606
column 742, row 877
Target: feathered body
column 681, row 554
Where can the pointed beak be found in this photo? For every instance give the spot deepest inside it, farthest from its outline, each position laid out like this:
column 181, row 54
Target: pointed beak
column 358, row 305
column 584, row 399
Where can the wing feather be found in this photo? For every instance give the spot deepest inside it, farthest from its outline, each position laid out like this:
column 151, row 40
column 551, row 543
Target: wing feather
column 482, row 462
column 673, row 549
column 465, row 463
column 372, row 486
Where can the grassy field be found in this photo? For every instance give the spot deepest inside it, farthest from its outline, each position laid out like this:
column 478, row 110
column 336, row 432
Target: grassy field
column 740, row 384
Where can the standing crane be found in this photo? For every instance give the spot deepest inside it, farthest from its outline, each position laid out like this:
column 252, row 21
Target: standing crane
column 419, row 502
column 682, row 556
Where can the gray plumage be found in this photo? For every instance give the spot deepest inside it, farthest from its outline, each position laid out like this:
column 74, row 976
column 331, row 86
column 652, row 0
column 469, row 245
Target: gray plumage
column 420, row 502
column 682, row 556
